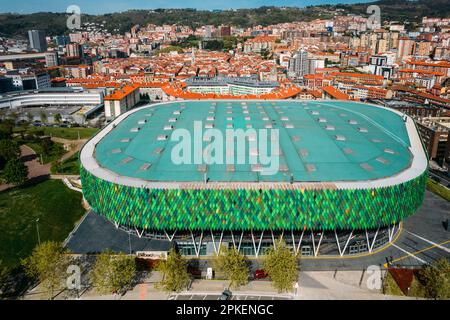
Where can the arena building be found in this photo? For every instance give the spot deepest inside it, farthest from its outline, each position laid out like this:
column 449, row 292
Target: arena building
column 349, row 173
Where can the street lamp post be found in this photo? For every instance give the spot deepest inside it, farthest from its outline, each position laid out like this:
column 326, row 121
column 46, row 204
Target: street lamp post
column 37, row 230
column 129, row 240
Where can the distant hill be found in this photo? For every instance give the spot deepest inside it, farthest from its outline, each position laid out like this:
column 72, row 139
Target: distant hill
column 14, row 25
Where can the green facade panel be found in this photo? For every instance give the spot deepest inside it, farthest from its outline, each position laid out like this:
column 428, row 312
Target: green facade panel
column 242, row 209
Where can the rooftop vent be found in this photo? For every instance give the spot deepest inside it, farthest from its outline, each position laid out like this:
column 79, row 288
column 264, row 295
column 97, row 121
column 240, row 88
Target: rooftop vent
column 149, row 114
column 127, row 160
column 322, row 120
column 116, row 151
column 352, row 121
column 201, row 168
column 158, row 150
column 339, row 137
column 382, row 160
column 145, row 167
column 231, row 168
column 330, row 128
column 229, row 126
column 172, row 120
column 245, row 112
column 162, row 137
column 364, row 130
column 210, row 118
column 143, row 121
column 283, row 168
column 265, row 118
column 376, row 140
column 134, row 129
column 209, row 125
column 177, row 112
column 125, row 140
column 303, row 153
column 268, row 126
column 388, row 150
column 249, row 126
column 289, row 126
column 295, row 138
column 168, row 127
column 310, row 167
column 229, row 118
column 315, row 113
column 284, row 119
column 348, row 151
column 247, row 118
column 366, row 166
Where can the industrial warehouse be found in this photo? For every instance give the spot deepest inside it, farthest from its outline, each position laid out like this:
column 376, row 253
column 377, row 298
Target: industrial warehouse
column 349, row 173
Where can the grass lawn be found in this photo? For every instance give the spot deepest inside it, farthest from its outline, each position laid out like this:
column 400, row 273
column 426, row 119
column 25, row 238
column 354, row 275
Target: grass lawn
column 66, row 133
column 69, row 166
column 439, row 189
column 56, row 151
column 57, row 207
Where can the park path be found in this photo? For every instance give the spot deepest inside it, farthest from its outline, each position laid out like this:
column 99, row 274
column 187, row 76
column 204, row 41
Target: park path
column 36, row 171
column 73, row 146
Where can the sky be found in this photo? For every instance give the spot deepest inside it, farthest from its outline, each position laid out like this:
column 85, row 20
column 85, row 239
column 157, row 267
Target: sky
column 108, row 6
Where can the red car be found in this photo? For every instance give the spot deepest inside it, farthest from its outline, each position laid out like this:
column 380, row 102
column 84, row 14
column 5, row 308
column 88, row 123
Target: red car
column 260, row 274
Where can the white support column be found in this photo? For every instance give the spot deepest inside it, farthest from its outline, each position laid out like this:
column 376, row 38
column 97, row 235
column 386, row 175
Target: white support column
column 170, row 238
column 139, row 234
column 232, row 238
column 297, row 247
column 300, row 242
column 220, row 242
column 214, row 242
column 273, row 239
column 313, row 242
column 318, row 245
column 374, row 239
column 337, row 242
column 116, row 225
column 240, row 241
column 197, row 249
column 346, row 244
column 368, row 242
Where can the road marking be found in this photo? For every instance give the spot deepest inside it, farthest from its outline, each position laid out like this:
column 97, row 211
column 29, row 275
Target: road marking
column 409, row 254
column 417, row 252
column 430, row 242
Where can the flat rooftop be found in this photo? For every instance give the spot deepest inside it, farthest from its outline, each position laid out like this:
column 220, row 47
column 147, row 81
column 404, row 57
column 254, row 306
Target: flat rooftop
column 320, row 141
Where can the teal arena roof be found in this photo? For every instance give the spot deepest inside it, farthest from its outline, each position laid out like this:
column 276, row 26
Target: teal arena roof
column 320, row 141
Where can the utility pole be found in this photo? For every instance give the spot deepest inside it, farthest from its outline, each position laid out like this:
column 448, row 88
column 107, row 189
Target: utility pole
column 37, row 230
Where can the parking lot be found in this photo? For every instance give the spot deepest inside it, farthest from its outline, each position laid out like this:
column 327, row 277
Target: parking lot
column 235, row 296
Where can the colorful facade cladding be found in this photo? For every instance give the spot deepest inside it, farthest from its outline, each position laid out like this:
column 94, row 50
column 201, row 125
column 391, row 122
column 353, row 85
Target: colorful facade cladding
column 250, row 209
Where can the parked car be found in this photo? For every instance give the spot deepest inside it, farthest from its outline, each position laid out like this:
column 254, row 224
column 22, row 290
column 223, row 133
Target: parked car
column 260, row 274
column 226, row 295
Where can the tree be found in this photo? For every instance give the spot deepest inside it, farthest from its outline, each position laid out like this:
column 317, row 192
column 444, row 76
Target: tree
column 48, row 264
column 57, row 118
column 30, row 117
column 174, row 270
column 4, row 273
column 15, row 172
column 280, row 263
column 113, row 273
column 9, row 150
column 233, row 264
column 43, row 117
column 436, row 279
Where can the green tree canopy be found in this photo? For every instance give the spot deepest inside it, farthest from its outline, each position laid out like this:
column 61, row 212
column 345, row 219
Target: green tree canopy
column 58, row 118
column 113, row 273
column 9, row 150
column 15, row 172
column 436, row 279
column 48, row 264
column 234, row 266
column 174, row 270
column 281, row 264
